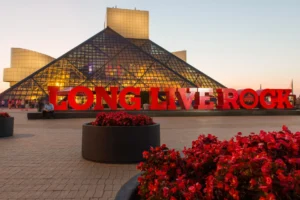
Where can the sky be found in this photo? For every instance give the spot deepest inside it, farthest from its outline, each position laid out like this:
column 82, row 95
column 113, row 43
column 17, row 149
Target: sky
column 240, row 43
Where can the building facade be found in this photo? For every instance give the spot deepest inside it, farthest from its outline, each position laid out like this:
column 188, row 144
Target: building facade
column 128, row 23
column 23, row 63
column 181, row 55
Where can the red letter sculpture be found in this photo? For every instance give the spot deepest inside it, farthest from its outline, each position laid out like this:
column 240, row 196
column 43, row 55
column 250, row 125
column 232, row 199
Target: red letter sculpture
column 52, row 91
column 154, row 104
column 170, row 96
column 283, row 98
column 185, row 97
column 250, row 94
column 202, row 99
column 111, row 101
column 89, row 97
column 136, row 100
column 227, row 98
column 262, row 100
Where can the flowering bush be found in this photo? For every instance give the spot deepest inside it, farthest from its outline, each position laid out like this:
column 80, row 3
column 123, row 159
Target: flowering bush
column 4, row 115
column 265, row 166
column 121, row 119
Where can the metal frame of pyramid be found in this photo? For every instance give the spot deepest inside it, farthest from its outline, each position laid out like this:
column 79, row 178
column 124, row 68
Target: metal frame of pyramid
column 108, row 59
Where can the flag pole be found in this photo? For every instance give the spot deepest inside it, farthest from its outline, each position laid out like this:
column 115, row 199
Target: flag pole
column 292, row 86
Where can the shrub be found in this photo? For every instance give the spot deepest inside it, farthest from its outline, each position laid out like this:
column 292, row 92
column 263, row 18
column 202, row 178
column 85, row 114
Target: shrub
column 121, row 119
column 4, row 115
column 264, row 166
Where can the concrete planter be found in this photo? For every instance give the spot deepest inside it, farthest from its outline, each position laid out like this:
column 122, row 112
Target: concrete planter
column 118, row 144
column 6, row 127
column 129, row 190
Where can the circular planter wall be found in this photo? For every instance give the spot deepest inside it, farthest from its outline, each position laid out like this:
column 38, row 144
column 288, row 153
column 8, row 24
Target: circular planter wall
column 6, row 127
column 118, row 144
column 129, row 190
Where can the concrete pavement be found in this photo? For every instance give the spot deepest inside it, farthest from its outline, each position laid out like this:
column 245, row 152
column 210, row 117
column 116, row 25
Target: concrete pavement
column 43, row 159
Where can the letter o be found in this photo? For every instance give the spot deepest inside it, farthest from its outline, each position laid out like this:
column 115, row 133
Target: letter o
column 242, row 102
column 87, row 92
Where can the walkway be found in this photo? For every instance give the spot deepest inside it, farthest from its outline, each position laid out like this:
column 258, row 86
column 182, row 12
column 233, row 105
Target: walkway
column 43, row 160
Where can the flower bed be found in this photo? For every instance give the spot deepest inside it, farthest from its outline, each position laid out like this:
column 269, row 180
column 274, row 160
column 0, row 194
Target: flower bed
column 121, row 119
column 119, row 137
column 4, row 115
column 265, row 166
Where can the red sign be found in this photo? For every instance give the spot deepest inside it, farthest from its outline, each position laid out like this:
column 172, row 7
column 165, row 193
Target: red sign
column 226, row 98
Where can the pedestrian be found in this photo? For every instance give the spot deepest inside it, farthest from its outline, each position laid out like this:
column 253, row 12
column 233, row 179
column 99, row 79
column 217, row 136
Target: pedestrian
column 19, row 103
column 9, row 104
column 12, row 103
column 26, row 105
column 2, row 104
column 40, row 105
column 22, row 104
column 16, row 103
column 35, row 105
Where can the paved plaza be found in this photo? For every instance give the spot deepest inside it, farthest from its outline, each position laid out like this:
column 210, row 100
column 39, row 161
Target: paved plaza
column 43, row 159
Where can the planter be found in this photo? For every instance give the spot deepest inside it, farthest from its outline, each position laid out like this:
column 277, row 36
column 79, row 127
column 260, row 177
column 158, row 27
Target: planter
column 129, row 190
column 118, row 144
column 6, row 127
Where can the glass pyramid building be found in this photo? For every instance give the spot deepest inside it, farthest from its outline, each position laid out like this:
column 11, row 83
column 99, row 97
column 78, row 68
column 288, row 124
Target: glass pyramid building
column 108, row 59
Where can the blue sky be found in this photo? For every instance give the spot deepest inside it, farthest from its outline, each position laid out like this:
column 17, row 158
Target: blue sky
column 242, row 44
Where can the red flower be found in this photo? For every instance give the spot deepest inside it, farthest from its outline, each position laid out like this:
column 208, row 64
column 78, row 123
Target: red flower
column 121, row 119
column 198, row 186
column 234, row 181
column 228, row 176
column 264, row 188
column 271, row 197
column 4, row 115
column 252, row 182
column 146, row 154
column 242, row 167
column 265, row 168
column 160, row 173
column 173, row 155
column 173, row 190
column 285, row 128
column 268, row 180
column 220, row 185
column 192, row 189
column 181, row 185
column 140, row 179
column 165, row 192
column 234, row 194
